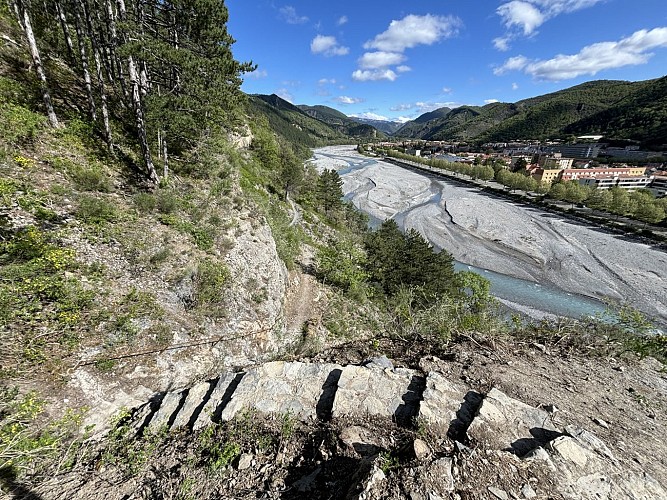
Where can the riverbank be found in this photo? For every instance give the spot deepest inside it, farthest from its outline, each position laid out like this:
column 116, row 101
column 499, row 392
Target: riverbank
column 506, row 237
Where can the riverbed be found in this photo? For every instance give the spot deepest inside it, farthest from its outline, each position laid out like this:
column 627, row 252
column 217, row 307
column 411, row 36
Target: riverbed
column 578, row 266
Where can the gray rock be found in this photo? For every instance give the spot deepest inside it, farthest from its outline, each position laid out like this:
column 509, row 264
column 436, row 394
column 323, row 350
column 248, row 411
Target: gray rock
column 601, row 423
column 506, row 423
column 361, row 439
column 282, row 388
column 498, row 493
column 380, row 362
column 527, row 491
column 441, row 400
column 375, row 391
column 194, row 398
column 167, row 408
column 421, row 449
column 569, row 449
column 590, row 441
column 245, row 461
column 207, row 412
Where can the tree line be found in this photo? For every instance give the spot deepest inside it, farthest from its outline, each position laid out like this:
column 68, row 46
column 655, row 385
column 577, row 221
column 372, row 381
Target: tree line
column 163, row 66
column 640, row 204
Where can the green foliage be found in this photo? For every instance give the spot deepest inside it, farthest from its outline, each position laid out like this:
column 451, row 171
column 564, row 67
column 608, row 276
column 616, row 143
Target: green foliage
column 329, row 191
column 90, row 178
column 342, row 263
column 125, row 450
column 24, row 444
column 18, row 124
column 35, row 286
column 210, row 282
column 97, row 211
column 397, row 260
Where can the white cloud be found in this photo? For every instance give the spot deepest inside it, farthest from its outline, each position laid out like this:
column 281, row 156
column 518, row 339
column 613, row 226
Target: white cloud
column 415, row 30
column 289, row 15
column 502, row 43
column 328, row 46
column 423, row 107
column 285, row 94
column 343, row 99
column 370, row 116
column 403, row 68
column 515, row 86
column 447, row 90
column 380, row 59
column 325, row 81
column 490, row 101
column 521, row 14
column 342, row 20
column 590, row 60
column 402, row 119
column 374, row 75
column 523, row 17
column 257, row 74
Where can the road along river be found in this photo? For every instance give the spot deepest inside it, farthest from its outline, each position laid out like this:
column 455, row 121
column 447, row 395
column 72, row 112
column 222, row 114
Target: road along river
column 538, row 263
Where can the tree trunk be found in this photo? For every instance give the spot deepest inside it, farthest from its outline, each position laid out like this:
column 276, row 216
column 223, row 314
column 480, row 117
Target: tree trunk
column 66, row 35
column 24, row 20
column 137, row 104
column 100, row 78
column 114, row 44
column 84, row 61
column 165, row 157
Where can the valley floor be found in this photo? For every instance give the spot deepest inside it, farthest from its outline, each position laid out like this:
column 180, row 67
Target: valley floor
column 505, row 237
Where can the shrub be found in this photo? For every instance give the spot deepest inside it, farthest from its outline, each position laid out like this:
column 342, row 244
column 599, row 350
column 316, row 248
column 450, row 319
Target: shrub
column 209, row 282
column 97, row 211
column 89, row 178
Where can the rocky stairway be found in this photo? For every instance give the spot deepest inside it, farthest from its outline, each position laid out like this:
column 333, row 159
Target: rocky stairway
column 581, row 465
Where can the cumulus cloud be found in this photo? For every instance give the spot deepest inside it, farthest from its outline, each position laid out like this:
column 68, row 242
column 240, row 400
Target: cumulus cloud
column 380, row 59
column 290, row 16
column 415, row 30
column 342, row 20
column 370, row 116
column 590, row 60
column 343, row 99
column 521, row 14
column 515, row 86
column 422, row 107
column 374, row 75
column 490, row 101
column 285, row 94
column 257, row 74
column 328, row 46
column 447, row 90
column 386, row 49
column 524, row 17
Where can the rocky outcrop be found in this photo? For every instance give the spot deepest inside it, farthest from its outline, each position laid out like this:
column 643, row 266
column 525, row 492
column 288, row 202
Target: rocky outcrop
column 491, row 435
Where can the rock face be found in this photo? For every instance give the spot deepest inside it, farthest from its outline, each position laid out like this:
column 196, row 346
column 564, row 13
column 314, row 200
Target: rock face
column 499, row 435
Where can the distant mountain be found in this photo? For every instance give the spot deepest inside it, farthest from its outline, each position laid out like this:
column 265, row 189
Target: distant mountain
column 616, row 109
column 384, row 126
column 340, row 121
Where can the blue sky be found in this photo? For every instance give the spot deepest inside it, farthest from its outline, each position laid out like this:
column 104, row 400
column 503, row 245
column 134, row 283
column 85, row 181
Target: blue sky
column 398, row 59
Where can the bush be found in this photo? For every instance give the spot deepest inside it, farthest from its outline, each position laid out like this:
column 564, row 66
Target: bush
column 97, row 211
column 18, row 124
column 89, row 179
column 209, row 283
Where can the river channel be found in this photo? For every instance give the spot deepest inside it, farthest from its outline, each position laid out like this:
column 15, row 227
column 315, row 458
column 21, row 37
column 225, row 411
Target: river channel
column 529, row 272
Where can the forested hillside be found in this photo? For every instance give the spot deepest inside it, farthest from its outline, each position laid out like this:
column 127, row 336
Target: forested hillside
column 340, row 121
column 617, row 109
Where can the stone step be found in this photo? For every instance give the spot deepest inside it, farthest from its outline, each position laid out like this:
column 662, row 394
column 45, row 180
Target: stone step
column 384, row 392
column 303, row 390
